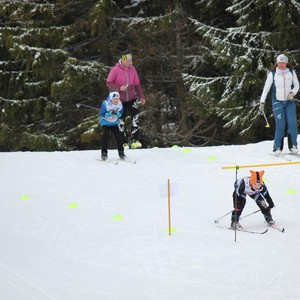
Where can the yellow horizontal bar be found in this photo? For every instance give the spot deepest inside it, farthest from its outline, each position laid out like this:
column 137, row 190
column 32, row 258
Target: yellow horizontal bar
column 262, row 165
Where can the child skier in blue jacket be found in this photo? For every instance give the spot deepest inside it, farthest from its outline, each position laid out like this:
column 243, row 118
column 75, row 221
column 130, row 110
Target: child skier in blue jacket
column 110, row 112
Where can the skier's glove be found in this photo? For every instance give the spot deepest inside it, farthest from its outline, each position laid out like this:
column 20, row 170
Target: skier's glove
column 290, row 96
column 108, row 114
column 262, row 107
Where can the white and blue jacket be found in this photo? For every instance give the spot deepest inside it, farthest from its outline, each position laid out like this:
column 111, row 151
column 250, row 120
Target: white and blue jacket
column 285, row 81
column 110, row 113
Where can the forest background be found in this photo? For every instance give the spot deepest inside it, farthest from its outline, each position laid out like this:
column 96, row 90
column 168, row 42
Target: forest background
column 202, row 66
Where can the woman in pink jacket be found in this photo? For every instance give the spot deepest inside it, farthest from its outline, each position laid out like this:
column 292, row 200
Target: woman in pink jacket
column 123, row 78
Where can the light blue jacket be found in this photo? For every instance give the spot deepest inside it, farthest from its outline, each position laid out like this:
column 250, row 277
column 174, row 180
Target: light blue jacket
column 110, row 113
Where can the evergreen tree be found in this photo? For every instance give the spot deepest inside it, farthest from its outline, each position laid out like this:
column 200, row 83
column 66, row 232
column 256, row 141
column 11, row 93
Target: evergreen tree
column 164, row 46
column 242, row 54
column 202, row 65
column 57, row 55
column 45, row 72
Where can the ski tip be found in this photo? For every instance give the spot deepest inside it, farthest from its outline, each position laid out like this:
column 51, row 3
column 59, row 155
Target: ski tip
column 128, row 160
column 278, row 228
column 132, row 161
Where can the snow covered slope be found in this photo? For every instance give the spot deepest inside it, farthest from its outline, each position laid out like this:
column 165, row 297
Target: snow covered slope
column 73, row 228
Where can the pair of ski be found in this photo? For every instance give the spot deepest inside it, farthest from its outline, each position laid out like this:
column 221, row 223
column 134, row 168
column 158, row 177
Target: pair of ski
column 255, row 232
column 116, row 161
column 286, row 156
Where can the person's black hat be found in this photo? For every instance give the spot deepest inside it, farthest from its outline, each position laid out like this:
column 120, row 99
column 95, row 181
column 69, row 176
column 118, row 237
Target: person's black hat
column 126, row 54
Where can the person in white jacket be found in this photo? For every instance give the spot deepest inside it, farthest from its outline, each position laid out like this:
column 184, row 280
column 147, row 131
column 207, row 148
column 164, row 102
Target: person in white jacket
column 285, row 86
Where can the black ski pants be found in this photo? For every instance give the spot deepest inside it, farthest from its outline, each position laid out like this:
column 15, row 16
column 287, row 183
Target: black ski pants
column 239, row 204
column 131, row 108
column 105, row 137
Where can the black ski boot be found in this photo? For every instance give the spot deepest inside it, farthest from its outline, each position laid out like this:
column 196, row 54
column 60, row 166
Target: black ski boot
column 269, row 220
column 104, row 156
column 122, row 155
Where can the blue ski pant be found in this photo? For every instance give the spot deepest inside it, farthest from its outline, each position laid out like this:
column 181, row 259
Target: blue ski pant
column 285, row 113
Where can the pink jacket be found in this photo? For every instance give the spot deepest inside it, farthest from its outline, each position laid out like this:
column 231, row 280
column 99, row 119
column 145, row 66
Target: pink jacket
column 120, row 75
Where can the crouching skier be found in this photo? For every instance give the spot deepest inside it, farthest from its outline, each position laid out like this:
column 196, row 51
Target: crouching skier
column 254, row 187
